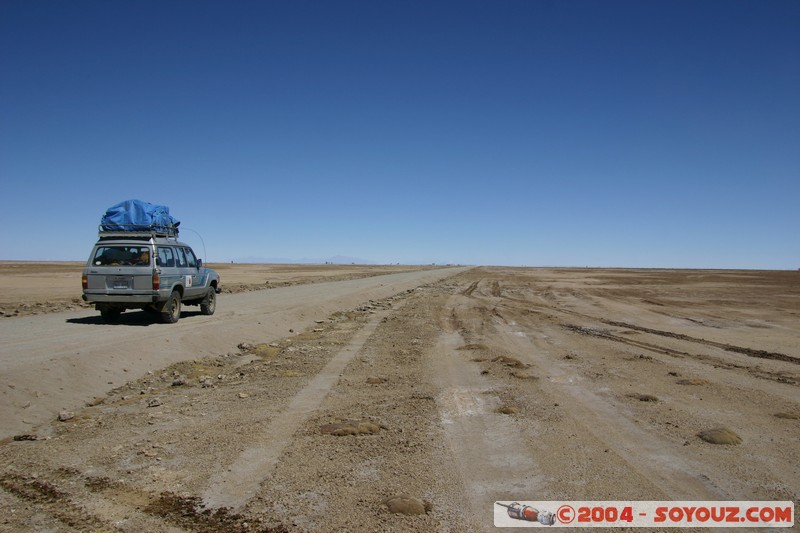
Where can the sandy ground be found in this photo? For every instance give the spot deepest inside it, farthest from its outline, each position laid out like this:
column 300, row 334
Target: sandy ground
column 32, row 288
column 457, row 387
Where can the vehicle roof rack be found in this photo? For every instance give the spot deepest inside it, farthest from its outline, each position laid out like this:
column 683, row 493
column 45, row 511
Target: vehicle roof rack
column 137, row 231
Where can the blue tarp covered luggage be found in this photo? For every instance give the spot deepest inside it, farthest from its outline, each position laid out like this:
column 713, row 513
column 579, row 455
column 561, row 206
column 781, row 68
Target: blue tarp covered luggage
column 136, row 215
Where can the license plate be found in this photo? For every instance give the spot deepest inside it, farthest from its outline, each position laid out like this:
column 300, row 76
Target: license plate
column 122, row 283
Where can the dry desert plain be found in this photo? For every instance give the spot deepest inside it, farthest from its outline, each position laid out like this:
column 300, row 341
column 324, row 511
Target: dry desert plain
column 316, row 401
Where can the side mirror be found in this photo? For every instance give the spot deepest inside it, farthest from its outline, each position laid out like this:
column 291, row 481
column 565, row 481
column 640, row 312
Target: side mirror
column 199, row 264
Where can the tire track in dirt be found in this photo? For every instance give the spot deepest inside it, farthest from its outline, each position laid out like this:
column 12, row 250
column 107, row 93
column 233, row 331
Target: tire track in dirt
column 570, row 439
column 497, row 290
column 469, row 290
column 234, row 486
column 525, row 307
column 752, row 352
column 98, row 504
column 715, row 361
column 487, row 446
column 646, row 453
column 343, row 481
column 762, row 354
column 594, row 386
column 45, row 494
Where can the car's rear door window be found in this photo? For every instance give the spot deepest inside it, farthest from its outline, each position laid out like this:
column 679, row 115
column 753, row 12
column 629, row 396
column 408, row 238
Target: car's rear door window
column 166, row 258
column 181, row 260
column 190, row 258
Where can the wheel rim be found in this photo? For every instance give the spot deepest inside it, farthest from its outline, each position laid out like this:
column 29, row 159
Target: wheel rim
column 176, row 308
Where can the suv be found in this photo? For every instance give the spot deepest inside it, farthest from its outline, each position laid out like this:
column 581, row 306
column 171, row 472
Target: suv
column 148, row 270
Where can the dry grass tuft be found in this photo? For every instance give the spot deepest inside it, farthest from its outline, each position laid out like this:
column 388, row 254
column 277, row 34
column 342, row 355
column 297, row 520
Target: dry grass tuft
column 720, row 436
column 350, row 427
column 473, row 346
column 692, row 382
column 266, row 351
column 508, row 410
column 407, row 505
column 789, row 416
column 523, row 375
column 510, row 361
column 643, row 397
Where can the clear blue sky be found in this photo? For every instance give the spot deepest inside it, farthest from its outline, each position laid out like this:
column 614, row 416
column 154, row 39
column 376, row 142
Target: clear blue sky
column 585, row 133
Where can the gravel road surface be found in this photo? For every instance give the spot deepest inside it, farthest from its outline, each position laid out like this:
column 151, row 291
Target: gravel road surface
column 407, row 402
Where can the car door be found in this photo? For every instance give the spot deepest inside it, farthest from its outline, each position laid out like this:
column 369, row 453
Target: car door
column 182, row 268
column 198, row 278
column 167, row 263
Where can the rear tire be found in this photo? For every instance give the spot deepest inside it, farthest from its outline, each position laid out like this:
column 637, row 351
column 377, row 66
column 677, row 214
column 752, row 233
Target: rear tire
column 171, row 311
column 209, row 303
column 110, row 315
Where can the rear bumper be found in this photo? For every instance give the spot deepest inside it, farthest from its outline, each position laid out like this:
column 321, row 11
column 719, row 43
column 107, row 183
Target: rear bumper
column 133, row 299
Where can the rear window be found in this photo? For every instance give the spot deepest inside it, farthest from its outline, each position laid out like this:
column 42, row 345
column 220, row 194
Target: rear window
column 122, row 255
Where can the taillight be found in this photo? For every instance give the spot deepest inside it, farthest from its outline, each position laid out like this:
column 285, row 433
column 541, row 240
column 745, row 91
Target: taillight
column 85, row 281
column 156, row 281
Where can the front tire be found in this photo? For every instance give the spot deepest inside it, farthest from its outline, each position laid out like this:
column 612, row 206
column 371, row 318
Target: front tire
column 209, row 303
column 171, row 311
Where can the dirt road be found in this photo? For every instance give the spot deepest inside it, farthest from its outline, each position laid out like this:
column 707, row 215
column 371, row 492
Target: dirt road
column 62, row 360
column 491, row 384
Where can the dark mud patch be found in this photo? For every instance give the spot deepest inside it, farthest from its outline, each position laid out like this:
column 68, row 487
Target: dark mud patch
column 189, row 513
column 56, row 502
column 24, row 437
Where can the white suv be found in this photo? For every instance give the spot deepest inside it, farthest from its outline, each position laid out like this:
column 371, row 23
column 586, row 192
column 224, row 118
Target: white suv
column 148, row 270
